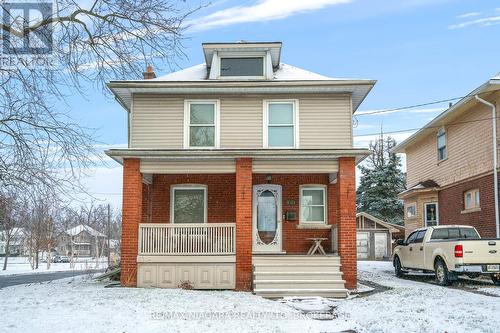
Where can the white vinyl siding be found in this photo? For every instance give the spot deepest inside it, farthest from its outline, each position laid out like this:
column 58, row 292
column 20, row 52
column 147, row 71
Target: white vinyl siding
column 157, row 121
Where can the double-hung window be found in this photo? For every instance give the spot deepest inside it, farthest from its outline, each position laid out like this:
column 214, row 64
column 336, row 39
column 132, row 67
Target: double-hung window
column 441, row 144
column 313, row 204
column 201, row 124
column 280, row 120
column 188, row 204
column 471, row 199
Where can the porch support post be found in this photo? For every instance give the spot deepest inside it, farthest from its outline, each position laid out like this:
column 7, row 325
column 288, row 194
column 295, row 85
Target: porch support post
column 131, row 217
column 243, row 224
column 346, row 183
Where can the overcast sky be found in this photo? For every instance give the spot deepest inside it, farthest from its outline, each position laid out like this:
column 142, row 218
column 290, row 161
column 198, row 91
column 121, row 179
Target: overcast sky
column 419, row 51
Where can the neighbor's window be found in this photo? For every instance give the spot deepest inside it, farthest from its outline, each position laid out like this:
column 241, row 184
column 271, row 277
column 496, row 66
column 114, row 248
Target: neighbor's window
column 431, row 214
column 201, row 124
column 411, row 210
column 441, row 144
column 280, row 124
column 188, row 204
column 312, row 204
column 471, row 199
column 253, row 66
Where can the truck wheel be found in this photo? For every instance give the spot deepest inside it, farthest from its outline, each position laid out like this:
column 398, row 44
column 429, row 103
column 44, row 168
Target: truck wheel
column 442, row 274
column 397, row 268
column 496, row 279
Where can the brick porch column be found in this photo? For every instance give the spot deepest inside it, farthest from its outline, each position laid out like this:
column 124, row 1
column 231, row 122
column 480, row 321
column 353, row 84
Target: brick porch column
column 131, row 217
column 346, row 182
column 243, row 224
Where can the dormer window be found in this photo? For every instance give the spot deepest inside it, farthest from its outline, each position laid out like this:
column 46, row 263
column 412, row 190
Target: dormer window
column 239, row 66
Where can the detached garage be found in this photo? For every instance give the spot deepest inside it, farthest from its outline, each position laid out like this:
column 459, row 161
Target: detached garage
column 374, row 237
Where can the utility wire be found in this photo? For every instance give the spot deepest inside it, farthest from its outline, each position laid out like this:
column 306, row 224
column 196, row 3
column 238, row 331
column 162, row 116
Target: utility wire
column 368, row 113
column 436, row 126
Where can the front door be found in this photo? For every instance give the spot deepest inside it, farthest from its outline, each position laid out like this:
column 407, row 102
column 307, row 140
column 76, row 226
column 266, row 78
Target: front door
column 267, row 227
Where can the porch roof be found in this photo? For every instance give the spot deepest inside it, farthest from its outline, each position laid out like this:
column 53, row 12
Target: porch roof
column 229, row 154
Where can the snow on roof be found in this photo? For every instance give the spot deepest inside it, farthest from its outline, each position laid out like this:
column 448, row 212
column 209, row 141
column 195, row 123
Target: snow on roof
column 283, row 73
column 496, row 77
column 79, row 228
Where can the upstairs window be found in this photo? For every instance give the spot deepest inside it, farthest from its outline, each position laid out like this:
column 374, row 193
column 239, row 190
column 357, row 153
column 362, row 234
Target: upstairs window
column 471, row 199
column 201, row 124
column 248, row 67
column 441, row 144
column 280, row 122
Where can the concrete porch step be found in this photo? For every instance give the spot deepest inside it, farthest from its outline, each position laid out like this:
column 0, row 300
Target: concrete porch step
column 299, row 275
column 296, row 267
column 325, row 292
column 299, row 284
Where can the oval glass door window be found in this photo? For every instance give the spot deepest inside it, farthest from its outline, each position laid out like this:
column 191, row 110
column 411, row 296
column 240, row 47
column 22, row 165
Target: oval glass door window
column 267, row 223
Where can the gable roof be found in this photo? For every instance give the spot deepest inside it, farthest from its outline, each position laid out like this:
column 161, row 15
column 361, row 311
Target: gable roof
column 490, row 86
column 81, row 227
column 392, row 227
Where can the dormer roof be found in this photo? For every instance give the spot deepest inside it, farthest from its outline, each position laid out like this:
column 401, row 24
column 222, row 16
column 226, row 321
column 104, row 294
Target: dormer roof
column 274, row 49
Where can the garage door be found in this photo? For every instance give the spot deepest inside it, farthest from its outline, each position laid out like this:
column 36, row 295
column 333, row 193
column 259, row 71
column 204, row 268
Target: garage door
column 362, row 245
column 380, row 245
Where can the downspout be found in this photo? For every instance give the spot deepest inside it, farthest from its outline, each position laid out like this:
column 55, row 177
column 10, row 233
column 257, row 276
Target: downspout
column 495, row 158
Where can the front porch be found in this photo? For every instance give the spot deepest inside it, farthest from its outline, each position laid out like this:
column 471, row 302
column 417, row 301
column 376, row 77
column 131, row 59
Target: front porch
column 210, row 230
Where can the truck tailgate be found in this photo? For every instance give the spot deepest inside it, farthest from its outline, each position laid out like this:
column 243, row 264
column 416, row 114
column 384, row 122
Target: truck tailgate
column 481, row 251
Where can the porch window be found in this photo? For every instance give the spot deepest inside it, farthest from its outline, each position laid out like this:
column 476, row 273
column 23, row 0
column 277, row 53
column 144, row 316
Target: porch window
column 280, row 124
column 312, row 204
column 188, row 204
column 201, row 128
column 471, row 199
column 441, row 144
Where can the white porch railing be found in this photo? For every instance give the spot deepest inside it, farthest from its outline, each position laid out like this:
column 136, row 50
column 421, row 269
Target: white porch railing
column 187, row 239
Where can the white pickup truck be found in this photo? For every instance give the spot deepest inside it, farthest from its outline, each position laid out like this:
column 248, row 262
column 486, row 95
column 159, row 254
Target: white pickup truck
column 448, row 251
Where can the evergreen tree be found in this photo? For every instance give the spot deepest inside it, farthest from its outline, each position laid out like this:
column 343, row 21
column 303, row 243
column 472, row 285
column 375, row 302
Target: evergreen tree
column 381, row 181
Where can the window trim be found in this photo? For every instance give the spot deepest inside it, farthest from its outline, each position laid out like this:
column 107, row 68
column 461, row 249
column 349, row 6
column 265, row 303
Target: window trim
column 241, row 55
column 187, row 121
column 473, row 195
column 425, row 213
column 189, row 187
column 414, row 204
column 325, row 204
column 265, row 122
column 442, row 132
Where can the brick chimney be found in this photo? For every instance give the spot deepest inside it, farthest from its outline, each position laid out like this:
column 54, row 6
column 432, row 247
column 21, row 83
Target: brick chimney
column 149, row 73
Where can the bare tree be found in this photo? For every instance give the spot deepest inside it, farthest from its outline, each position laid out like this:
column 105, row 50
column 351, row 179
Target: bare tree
column 91, row 44
column 9, row 223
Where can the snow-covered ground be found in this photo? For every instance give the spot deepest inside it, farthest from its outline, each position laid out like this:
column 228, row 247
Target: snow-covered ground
column 79, row 304
column 21, row 265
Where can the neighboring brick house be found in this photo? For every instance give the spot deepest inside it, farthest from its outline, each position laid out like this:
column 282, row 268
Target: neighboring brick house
column 231, row 166
column 450, row 166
